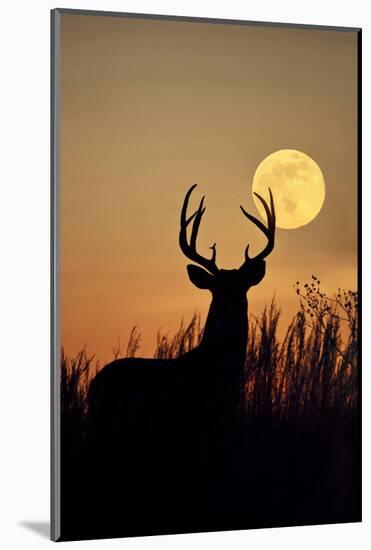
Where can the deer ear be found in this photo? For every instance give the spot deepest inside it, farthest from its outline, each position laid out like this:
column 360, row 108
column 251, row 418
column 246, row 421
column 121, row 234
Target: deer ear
column 199, row 277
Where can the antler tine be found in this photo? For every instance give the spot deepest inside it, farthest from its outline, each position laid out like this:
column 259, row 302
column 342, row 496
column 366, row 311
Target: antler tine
column 273, row 211
column 266, row 208
column 196, row 223
column 255, row 221
column 183, row 214
column 268, row 231
column 213, row 248
column 189, row 249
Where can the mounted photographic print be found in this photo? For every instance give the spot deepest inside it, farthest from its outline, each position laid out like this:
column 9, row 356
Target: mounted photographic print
column 205, row 275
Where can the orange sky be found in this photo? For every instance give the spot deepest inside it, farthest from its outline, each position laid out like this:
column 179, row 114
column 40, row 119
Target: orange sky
column 149, row 108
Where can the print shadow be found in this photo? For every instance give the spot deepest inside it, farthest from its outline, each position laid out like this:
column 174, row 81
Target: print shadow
column 41, row 528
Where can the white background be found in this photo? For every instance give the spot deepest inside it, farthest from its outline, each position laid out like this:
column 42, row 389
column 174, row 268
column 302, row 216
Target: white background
column 24, row 267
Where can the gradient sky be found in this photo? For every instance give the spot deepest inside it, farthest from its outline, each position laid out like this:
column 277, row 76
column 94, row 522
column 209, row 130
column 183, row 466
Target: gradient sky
column 150, row 107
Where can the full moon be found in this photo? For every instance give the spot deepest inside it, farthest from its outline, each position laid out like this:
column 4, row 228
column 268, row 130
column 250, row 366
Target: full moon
column 297, row 185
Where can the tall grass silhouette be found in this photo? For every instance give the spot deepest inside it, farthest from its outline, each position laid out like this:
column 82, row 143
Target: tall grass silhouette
column 299, row 404
column 310, row 377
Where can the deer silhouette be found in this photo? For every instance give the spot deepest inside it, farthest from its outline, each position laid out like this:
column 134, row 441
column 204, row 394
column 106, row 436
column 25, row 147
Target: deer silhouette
column 186, row 408
column 129, row 392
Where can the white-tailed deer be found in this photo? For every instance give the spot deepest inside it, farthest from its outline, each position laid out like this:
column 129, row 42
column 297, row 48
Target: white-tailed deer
column 202, row 387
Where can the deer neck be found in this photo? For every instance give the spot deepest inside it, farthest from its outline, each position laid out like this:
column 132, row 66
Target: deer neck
column 225, row 333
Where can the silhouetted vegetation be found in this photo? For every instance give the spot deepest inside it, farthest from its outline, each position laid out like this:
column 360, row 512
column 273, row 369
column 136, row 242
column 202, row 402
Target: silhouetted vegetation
column 300, row 458
column 308, row 377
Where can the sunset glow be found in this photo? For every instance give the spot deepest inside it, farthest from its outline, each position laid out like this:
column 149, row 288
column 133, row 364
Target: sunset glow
column 142, row 121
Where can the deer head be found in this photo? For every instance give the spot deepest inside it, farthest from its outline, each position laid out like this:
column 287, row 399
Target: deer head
column 209, row 276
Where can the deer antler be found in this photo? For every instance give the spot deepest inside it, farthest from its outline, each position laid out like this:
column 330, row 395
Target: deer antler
column 189, row 249
column 268, row 231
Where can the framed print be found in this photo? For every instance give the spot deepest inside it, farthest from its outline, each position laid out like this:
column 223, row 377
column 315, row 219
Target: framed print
column 205, row 275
